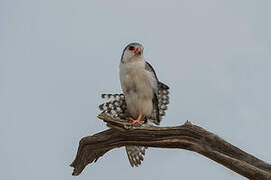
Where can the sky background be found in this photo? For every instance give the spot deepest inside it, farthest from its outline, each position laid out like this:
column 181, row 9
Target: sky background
column 58, row 56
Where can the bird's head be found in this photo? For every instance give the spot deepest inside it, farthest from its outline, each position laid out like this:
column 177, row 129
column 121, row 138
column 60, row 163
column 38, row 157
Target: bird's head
column 132, row 52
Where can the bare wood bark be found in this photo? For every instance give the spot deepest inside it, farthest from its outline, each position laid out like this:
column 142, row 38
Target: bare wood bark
column 187, row 136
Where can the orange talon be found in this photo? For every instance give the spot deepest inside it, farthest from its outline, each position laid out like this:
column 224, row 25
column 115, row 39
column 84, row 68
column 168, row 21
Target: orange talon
column 138, row 120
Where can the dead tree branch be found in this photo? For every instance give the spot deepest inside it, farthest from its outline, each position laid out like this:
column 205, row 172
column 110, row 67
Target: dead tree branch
column 187, row 136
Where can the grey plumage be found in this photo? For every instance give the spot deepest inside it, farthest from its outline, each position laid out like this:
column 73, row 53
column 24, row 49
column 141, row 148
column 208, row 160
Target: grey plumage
column 142, row 94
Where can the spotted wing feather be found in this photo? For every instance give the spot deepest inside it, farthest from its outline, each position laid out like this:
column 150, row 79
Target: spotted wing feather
column 163, row 101
column 117, row 107
column 135, row 154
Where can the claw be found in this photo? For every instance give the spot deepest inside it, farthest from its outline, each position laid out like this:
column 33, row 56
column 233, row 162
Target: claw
column 138, row 120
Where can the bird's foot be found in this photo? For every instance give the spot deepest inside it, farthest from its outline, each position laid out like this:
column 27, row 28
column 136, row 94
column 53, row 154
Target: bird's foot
column 138, row 120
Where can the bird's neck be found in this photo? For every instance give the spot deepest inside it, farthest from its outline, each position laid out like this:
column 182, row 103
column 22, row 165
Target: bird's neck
column 137, row 61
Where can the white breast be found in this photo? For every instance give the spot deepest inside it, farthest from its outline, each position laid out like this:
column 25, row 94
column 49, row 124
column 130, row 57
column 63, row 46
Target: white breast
column 136, row 84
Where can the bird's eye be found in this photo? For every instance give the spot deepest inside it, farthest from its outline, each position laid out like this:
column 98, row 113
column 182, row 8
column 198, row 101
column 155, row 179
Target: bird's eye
column 131, row 48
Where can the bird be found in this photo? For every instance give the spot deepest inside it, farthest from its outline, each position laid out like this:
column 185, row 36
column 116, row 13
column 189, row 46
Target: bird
column 144, row 97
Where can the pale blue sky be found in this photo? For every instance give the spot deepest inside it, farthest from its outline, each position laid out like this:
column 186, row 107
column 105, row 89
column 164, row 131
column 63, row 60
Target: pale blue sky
column 58, row 56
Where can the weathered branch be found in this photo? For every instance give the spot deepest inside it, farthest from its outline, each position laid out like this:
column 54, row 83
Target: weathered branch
column 187, row 136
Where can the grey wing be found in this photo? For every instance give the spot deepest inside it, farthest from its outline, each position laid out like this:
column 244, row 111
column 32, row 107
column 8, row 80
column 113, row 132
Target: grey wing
column 160, row 98
column 160, row 102
column 163, row 98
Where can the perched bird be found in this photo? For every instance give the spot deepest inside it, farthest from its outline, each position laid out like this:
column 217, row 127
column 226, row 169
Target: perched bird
column 139, row 84
column 144, row 97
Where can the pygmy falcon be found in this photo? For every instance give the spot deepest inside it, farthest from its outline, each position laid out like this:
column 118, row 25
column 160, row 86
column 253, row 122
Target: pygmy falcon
column 144, row 97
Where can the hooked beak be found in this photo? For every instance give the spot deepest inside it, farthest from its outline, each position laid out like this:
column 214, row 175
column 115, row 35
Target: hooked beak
column 138, row 51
